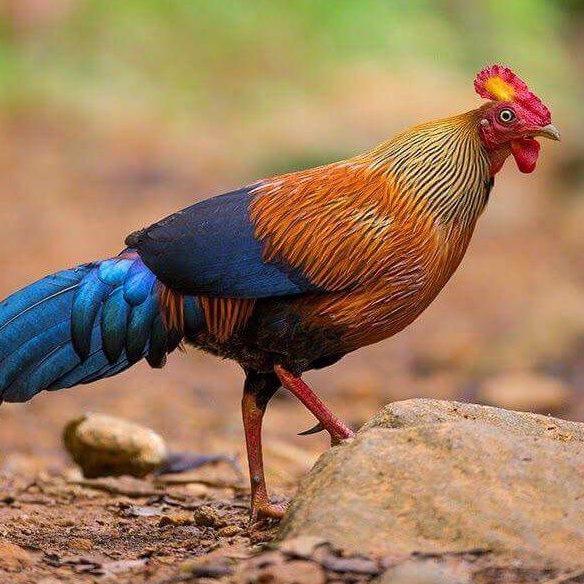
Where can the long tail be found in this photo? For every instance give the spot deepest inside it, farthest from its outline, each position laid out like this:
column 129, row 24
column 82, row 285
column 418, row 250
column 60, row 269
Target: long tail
column 84, row 324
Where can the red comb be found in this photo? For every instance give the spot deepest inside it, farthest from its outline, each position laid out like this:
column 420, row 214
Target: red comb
column 499, row 83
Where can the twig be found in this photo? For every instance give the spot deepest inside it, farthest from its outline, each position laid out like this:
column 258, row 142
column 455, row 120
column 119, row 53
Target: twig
column 116, row 490
column 470, row 551
column 186, row 480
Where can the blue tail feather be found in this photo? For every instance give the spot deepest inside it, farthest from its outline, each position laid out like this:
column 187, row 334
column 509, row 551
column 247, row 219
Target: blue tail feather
column 95, row 366
column 138, row 335
column 83, row 324
column 158, row 349
column 114, row 322
column 30, row 351
column 19, row 313
column 45, row 290
column 138, row 284
column 56, row 362
column 87, row 301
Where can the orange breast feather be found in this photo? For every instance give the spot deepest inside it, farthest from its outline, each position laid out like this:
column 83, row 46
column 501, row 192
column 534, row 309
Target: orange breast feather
column 376, row 250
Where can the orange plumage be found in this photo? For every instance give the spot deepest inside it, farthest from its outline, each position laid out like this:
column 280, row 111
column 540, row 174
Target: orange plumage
column 369, row 232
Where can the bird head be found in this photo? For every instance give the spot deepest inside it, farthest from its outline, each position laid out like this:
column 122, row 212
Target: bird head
column 515, row 116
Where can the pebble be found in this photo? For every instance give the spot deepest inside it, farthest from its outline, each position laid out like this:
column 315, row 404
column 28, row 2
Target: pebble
column 292, row 572
column 229, row 531
column 106, row 446
column 355, row 565
column 206, row 516
column 302, row 546
column 425, row 572
column 198, row 490
column 206, row 568
column 176, row 519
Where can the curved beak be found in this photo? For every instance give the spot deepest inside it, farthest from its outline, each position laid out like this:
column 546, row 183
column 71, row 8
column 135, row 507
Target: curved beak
column 549, row 131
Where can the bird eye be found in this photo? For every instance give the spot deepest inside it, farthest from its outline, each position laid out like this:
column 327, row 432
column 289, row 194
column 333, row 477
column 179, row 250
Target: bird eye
column 506, row 115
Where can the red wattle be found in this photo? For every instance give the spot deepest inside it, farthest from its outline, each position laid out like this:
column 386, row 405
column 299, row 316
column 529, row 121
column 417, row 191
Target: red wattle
column 525, row 151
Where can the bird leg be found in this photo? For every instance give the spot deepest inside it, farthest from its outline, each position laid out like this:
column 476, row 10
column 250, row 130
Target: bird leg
column 327, row 419
column 257, row 392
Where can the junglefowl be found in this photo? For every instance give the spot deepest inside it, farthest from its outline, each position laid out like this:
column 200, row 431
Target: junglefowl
column 285, row 275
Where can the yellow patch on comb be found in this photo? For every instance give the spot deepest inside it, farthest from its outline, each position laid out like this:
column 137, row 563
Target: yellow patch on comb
column 500, row 89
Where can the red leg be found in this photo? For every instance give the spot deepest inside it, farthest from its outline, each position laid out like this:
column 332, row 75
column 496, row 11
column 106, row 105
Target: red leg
column 257, row 392
column 330, row 422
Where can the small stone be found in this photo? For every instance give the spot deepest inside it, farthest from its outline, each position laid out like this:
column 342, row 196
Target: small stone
column 176, row 519
column 120, row 566
column 12, row 557
column 229, row 531
column 292, row 572
column 354, row 565
column 80, row 544
column 265, row 559
column 106, row 446
column 525, row 392
column 206, row 567
column 198, row 490
column 302, row 546
column 206, row 516
column 142, row 511
column 425, row 572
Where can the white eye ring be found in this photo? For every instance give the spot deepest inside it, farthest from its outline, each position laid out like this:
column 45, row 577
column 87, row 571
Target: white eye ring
column 506, row 115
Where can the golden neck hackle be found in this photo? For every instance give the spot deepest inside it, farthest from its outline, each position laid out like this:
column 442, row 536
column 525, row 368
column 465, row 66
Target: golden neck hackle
column 441, row 167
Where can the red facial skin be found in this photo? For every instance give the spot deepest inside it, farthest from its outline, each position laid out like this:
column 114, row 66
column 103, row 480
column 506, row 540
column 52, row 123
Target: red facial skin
column 515, row 137
column 510, row 122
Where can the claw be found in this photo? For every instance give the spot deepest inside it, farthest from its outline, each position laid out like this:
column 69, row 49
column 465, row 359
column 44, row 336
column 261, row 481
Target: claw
column 314, row 430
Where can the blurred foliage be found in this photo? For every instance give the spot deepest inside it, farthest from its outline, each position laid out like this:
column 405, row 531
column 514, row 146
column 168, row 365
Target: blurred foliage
column 175, row 55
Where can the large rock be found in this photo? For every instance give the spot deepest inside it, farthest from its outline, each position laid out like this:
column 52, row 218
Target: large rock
column 434, row 477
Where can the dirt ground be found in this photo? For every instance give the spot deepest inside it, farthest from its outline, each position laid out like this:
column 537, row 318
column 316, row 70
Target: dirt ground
column 71, row 192
column 124, row 531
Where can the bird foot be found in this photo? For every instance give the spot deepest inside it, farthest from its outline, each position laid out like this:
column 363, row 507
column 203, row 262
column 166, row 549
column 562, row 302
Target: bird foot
column 341, row 434
column 262, row 511
column 327, row 420
column 338, row 434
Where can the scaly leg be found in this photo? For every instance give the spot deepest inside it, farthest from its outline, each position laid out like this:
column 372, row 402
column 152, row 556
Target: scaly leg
column 257, row 392
column 329, row 421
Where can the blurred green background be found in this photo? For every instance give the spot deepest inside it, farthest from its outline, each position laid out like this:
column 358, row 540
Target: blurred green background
column 176, row 56
column 114, row 114
column 193, row 66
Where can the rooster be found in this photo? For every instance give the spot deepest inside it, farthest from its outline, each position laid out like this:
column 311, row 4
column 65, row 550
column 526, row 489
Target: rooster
column 285, row 275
